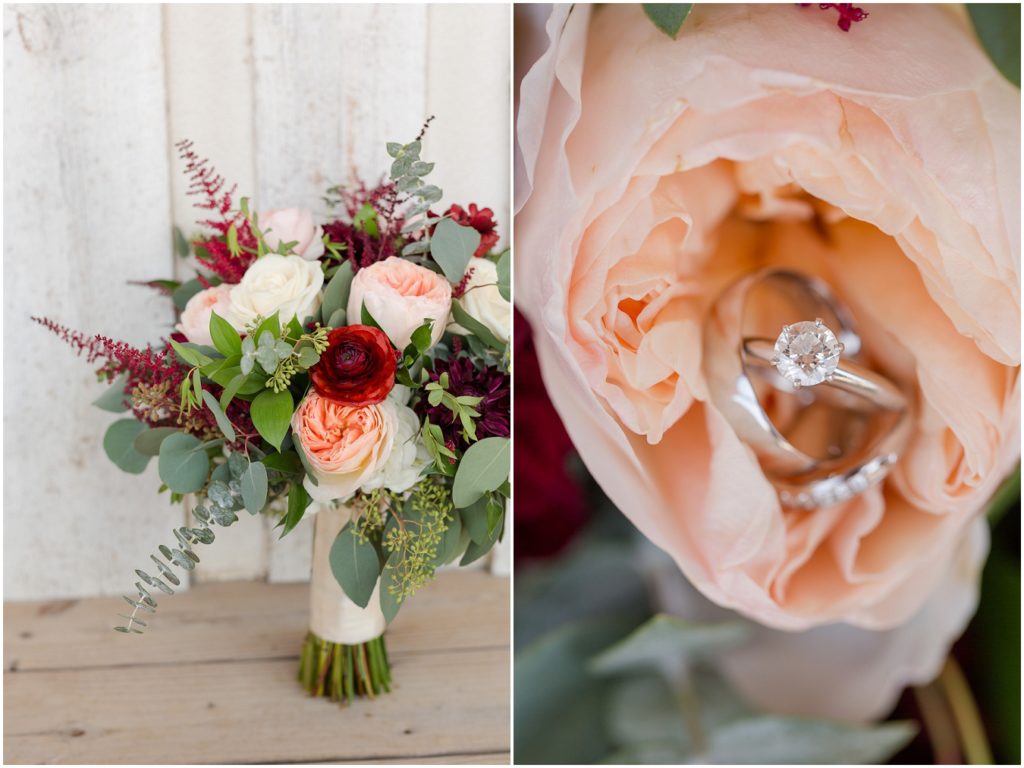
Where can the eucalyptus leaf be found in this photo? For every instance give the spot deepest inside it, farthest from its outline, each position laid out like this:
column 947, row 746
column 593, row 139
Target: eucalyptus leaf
column 355, row 565
column 114, row 400
column 794, row 741
column 669, row 640
column 452, row 246
column 148, row 440
column 119, row 445
column 504, row 266
column 337, row 290
column 308, row 357
column 484, row 467
column 253, row 483
column 998, row 28
column 181, row 244
column 337, row 318
column 183, row 463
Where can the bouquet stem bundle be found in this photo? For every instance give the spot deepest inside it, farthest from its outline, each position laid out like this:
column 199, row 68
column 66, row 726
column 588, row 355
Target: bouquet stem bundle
column 343, row 672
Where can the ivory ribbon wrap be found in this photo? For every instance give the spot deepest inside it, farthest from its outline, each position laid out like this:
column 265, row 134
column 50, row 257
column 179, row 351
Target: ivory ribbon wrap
column 333, row 616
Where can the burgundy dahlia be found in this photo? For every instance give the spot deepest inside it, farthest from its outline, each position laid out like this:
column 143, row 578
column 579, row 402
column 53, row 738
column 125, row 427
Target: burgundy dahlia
column 464, row 378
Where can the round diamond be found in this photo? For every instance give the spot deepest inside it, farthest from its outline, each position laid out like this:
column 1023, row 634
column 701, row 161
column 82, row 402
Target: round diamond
column 807, row 353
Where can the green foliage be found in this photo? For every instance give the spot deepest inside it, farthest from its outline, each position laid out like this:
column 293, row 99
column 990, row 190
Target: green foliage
column 119, row 445
column 298, row 501
column 355, row 564
column 484, row 467
column 998, row 28
column 411, row 540
column 668, row 17
column 478, row 329
column 223, row 423
column 451, row 246
column 181, row 244
column 223, row 499
column 336, row 293
column 271, row 414
column 253, row 486
column 188, row 289
column 148, row 441
column 114, row 399
column 225, row 337
column 183, row 463
column 505, row 274
column 462, row 406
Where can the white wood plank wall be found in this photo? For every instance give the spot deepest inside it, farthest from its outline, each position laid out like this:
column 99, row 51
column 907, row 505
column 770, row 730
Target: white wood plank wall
column 284, row 99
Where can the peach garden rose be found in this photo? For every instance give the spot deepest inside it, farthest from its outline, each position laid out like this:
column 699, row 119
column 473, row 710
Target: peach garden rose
column 292, row 225
column 400, row 296
column 345, row 446
column 884, row 161
column 195, row 318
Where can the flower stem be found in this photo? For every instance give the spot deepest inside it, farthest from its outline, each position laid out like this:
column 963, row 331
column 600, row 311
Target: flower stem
column 965, row 714
column 342, row 672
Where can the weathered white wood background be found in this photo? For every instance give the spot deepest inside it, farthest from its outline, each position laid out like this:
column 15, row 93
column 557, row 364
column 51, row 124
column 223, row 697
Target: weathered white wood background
column 284, row 100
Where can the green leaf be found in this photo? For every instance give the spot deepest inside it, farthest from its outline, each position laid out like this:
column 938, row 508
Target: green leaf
column 476, row 550
column 449, row 547
column 148, row 440
column 475, row 327
column 668, row 17
column 189, row 289
column 287, row 463
column 421, row 337
column 1004, row 499
column 119, row 444
column 505, row 275
column 998, row 28
column 389, row 602
column 452, row 245
column 337, row 319
column 792, row 741
column 484, row 467
column 271, row 414
column 231, row 389
column 181, row 244
column 272, row 324
column 225, row 337
column 222, row 420
column 190, row 354
column 668, row 639
column 337, row 291
column 114, row 399
column 253, row 483
column 183, row 463
column 355, row 565
column 298, row 500
column 474, row 519
column 367, row 319
column 366, row 220
column 308, row 357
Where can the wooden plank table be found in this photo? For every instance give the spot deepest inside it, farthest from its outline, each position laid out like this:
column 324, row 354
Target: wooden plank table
column 213, row 681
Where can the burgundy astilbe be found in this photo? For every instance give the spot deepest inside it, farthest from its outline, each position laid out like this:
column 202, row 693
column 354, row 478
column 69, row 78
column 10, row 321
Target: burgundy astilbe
column 361, row 248
column 90, row 346
column 848, row 13
column 209, row 186
column 464, row 378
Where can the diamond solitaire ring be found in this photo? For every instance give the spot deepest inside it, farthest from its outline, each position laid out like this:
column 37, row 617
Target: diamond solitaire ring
column 823, row 428
column 807, row 354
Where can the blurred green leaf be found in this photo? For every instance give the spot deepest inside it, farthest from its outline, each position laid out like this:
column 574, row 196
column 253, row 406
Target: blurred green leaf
column 114, row 399
column 1005, row 499
column 668, row 17
column 998, row 28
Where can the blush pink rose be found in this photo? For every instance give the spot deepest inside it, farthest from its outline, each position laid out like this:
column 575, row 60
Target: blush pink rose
column 344, row 446
column 195, row 318
column 292, row 225
column 657, row 171
column 400, row 296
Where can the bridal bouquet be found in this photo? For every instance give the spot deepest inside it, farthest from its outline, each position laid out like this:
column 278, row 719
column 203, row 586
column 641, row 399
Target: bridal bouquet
column 358, row 367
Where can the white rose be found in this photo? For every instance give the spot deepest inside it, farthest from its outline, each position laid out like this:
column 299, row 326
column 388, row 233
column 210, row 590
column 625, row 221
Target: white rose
column 404, row 466
column 483, row 301
column 195, row 318
column 400, row 296
column 292, row 225
column 288, row 285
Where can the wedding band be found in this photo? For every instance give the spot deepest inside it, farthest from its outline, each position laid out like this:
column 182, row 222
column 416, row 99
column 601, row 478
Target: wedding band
column 730, row 388
column 807, row 354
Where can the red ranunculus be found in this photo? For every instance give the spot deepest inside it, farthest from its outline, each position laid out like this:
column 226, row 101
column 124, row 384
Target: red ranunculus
column 480, row 219
column 357, row 368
